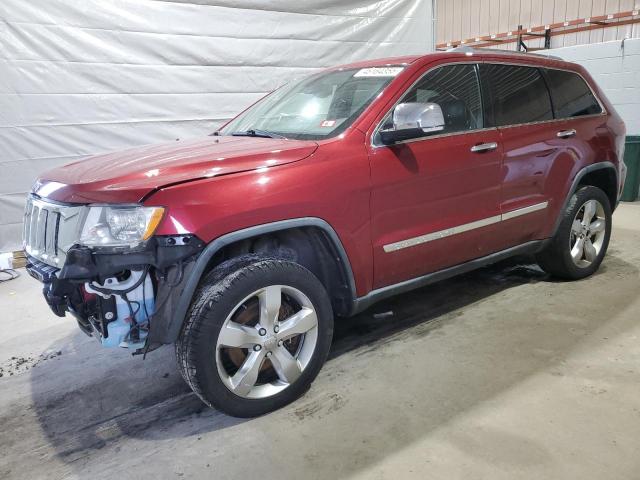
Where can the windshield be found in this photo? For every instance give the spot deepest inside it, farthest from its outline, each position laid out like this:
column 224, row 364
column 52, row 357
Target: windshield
column 320, row 106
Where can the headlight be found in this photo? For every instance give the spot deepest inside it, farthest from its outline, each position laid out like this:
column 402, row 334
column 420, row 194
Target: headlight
column 119, row 226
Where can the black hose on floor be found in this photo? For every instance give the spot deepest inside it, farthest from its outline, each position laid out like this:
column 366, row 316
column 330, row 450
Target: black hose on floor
column 12, row 274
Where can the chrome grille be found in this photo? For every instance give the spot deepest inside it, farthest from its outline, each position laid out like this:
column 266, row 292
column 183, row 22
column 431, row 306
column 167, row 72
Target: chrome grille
column 50, row 229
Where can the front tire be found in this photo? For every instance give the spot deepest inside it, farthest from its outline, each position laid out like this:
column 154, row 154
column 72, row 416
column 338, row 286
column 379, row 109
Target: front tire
column 580, row 244
column 255, row 337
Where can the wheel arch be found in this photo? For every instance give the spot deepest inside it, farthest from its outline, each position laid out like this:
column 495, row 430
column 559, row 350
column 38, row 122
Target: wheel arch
column 321, row 239
column 605, row 178
column 602, row 175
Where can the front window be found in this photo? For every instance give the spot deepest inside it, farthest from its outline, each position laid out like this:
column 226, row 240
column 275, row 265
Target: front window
column 456, row 90
column 317, row 107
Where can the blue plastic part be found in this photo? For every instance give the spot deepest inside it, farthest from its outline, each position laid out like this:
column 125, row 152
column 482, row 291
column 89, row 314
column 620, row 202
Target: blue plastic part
column 119, row 329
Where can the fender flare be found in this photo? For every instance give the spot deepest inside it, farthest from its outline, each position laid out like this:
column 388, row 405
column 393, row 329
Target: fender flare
column 199, row 268
column 574, row 185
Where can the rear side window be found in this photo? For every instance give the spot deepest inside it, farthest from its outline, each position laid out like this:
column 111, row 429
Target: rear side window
column 571, row 95
column 517, row 94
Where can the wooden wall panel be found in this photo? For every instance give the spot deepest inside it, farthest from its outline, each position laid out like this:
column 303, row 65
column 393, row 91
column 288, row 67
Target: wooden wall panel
column 571, row 12
column 465, row 18
column 474, row 20
column 598, row 8
column 627, row 30
column 485, row 7
column 462, row 19
column 440, row 26
column 448, row 20
column 611, row 33
column 525, row 13
column 547, row 10
column 457, row 19
column 584, row 10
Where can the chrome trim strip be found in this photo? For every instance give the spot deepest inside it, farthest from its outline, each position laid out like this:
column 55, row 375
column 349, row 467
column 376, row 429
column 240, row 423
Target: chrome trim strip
column 431, row 137
column 429, row 237
column 525, row 210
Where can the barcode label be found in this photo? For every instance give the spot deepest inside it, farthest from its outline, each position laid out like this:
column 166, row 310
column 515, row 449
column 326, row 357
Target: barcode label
column 379, row 72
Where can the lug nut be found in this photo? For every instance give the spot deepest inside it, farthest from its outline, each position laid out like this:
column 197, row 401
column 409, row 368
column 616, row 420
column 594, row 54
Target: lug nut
column 262, row 332
column 108, row 316
column 268, row 354
column 276, row 329
column 257, row 348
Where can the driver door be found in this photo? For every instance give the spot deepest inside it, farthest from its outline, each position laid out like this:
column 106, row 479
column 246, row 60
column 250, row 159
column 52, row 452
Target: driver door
column 435, row 199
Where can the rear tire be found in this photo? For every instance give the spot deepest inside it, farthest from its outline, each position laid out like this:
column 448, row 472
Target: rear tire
column 581, row 241
column 255, row 336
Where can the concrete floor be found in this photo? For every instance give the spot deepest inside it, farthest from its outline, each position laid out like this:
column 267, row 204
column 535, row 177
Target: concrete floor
column 502, row 373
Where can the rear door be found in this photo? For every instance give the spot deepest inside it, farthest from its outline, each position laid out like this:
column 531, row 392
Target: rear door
column 435, row 199
column 519, row 104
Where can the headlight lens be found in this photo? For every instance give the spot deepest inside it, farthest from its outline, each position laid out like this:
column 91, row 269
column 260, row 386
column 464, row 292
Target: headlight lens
column 115, row 226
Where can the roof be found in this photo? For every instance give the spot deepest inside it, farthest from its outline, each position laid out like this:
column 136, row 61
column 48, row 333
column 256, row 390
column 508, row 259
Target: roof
column 536, row 58
column 381, row 62
column 495, row 51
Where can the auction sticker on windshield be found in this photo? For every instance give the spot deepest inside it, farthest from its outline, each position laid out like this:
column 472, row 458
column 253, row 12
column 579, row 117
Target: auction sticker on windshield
column 378, row 72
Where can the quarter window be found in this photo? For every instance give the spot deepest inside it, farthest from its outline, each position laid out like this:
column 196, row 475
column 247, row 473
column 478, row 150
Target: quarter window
column 570, row 94
column 456, row 89
column 518, row 94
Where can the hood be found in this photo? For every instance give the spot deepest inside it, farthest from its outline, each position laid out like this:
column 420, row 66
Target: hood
column 130, row 175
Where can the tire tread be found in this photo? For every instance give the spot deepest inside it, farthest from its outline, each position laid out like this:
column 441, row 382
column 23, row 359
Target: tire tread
column 555, row 258
column 216, row 284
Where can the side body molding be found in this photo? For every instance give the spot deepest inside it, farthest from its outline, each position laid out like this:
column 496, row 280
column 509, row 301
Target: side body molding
column 196, row 272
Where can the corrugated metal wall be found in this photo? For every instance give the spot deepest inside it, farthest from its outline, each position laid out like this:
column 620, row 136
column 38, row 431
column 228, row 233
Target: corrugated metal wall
column 461, row 19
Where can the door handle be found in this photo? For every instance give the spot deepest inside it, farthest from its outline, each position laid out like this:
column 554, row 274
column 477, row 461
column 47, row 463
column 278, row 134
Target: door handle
column 484, row 147
column 566, row 133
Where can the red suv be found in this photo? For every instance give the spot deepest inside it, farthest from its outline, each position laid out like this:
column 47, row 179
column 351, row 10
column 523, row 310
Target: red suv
column 329, row 194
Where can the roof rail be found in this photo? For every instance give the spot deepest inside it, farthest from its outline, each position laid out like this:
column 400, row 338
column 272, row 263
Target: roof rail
column 470, row 50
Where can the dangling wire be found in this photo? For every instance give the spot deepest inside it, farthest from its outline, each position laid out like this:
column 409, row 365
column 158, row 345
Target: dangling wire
column 135, row 326
column 110, row 291
column 144, row 298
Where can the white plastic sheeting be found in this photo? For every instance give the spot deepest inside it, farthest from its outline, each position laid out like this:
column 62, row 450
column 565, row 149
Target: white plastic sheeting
column 80, row 77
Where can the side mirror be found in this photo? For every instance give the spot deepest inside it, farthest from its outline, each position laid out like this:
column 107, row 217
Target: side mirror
column 413, row 120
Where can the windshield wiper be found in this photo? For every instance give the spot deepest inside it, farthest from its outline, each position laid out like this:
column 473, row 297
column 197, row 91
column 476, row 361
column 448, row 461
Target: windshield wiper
column 257, row 133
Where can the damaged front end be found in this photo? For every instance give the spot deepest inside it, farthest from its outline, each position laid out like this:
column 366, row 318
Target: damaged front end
column 122, row 294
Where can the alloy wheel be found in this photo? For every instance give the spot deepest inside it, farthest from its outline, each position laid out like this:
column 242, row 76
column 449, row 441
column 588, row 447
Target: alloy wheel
column 267, row 341
column 588, row 232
